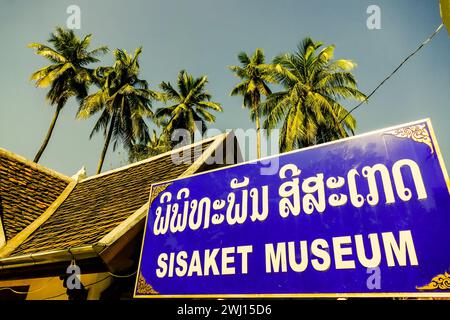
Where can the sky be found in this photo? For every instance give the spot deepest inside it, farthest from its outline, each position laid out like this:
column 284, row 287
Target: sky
column 204, row 37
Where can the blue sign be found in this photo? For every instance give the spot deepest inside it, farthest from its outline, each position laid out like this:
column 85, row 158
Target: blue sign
column 363, row 216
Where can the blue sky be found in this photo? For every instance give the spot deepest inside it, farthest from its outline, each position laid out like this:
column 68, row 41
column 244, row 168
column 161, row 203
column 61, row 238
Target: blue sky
column 204, row 37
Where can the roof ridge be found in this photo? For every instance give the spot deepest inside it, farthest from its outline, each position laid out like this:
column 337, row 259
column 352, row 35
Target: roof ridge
column 34, row 165
column 138, row 163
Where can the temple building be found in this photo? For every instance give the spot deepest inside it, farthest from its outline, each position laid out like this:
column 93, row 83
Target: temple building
column 54, row 227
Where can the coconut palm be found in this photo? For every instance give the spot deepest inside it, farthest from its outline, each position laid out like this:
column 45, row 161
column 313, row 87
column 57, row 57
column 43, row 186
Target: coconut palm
column 67, row 74
column 155, row 146
column 309, row 105
column 124, row 101
column 255, row 76
column 190, row 104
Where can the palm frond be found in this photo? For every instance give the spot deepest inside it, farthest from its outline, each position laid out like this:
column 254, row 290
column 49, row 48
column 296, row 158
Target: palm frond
column 309, row 106
column 243, row 58
column 48, row 53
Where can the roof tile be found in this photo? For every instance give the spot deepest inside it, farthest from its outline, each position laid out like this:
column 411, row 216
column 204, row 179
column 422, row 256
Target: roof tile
column 26, row 191
column 97, row 205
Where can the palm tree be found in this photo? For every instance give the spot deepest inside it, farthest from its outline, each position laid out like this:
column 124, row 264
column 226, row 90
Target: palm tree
column 254, row 75
column 309, row 106
column 67, row 74
column 124, row 101
column 155, row 146
column 190, row 104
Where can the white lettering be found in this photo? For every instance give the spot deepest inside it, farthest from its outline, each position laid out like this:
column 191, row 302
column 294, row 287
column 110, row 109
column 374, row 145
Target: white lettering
column 401, row 249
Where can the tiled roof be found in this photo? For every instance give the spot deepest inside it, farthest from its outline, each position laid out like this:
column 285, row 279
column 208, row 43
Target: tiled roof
column 26, row 191
column 100, row 203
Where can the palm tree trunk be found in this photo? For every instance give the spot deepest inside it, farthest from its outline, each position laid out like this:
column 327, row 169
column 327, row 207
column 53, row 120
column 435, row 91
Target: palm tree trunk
column 49, row 133
column 105, row 147
column 258, row 128
column 258, row 136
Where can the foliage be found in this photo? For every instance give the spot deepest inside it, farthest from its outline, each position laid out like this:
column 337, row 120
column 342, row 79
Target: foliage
column 124, row 101
column 189, row 104
column 155, row 146
column 309, row 105
column 254, row 75
column 67, row 75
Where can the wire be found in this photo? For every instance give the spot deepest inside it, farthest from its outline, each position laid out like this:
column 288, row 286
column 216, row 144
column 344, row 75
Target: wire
column 54, row 296
column 26, row 292
column 396, row 69
column 116, row 275
column 119, row 276
column 110, row 274
column 20, row 292
column 88, row 285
